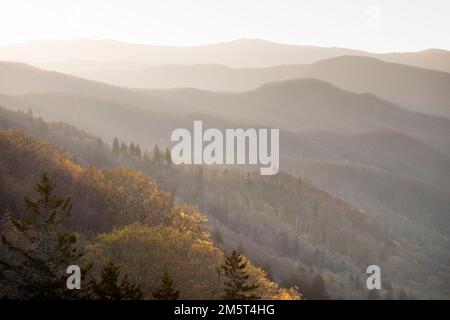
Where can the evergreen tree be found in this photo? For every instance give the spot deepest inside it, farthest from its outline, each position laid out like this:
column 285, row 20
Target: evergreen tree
column 37, row 249
column 108, row 287
column 317, row 289
column 237, row 286
column 116, row 147
column 132, row 149
column 123, row 148
column 166, row 290
column 167, row 157
column 156, row 155
column 138, row 152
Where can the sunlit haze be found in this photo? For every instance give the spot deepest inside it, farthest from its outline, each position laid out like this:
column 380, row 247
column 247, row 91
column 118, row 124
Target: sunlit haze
column 377, row 26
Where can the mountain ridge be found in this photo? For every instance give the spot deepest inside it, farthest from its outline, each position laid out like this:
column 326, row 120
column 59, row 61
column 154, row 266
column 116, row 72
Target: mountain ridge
column 272, row 54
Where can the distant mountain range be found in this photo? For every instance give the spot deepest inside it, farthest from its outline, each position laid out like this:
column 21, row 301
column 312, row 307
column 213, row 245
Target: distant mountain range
column 414, row 88
column 318, row 120
column 370, row 132
column 242, row 53
column 247, row 64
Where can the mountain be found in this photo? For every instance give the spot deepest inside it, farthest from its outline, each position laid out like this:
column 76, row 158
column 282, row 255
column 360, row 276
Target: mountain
column 411, row 209
column 239, row 53
column 272, row 103
column 390, row 151
column 102, row 117
column 263, row 231
column 121, row 209
column 242, row 53
column 284, row 220
column 435, row 59
column 294, row 106
column 416, row 89
column 18, row 78
column 199, row 76
column 309, row 104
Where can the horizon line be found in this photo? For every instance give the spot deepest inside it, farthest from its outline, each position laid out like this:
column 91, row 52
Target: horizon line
column 216, row 43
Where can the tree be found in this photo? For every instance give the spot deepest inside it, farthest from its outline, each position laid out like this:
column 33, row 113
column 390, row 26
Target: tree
column 167, row 157
column 37, row 249
column 123, row 148
column 157, row 155
column 138, row 152
column 116, row 147
column 132, row 149
column 109, row 288
column 317, row 289
column 166, row 290
column 237, row 286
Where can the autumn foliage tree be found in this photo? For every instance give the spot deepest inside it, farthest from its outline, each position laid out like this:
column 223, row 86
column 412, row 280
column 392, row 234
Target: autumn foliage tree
column 123, row 215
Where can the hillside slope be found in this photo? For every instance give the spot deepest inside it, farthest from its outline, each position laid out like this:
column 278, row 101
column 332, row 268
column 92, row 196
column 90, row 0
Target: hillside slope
column 121, row 201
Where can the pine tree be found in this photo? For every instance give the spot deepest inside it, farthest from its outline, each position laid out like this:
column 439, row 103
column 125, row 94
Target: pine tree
column 123, row 148
column 167, row 157
column 132, row 149
column 156, row 155
column 166, row 290
column 109, row 288
column 116, row 147
column 138, row 152
column 317, row 289
column 237, row 286
column 37, row 249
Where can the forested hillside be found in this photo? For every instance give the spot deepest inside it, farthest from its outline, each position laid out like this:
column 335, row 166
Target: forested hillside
column 122, row 216
column 285, row 224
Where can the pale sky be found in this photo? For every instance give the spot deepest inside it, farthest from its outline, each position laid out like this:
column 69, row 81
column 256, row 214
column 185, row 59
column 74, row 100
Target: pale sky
column 377, row 25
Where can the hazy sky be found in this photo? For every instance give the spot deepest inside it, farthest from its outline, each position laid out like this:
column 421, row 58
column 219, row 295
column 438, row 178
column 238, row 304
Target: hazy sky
column 390, row 25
